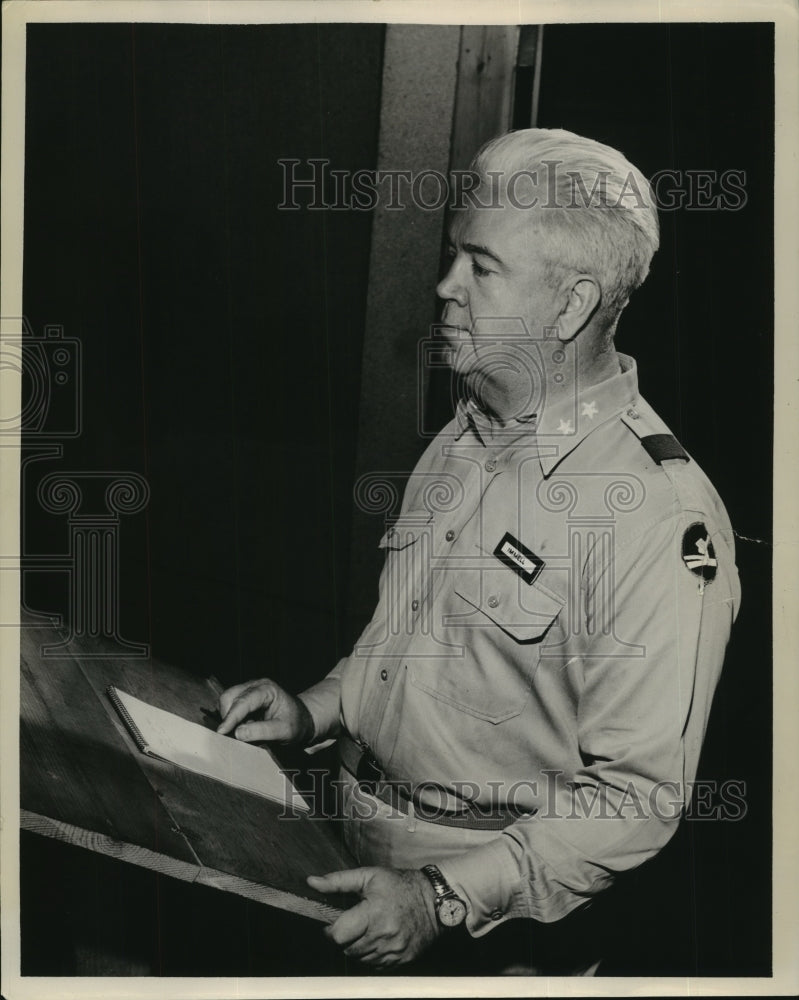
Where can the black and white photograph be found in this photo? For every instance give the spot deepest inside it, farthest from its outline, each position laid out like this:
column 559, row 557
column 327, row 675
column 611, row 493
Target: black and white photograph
column 392, row 436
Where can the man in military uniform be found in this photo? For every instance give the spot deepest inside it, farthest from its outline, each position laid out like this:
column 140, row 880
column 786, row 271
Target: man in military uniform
column 522, row 718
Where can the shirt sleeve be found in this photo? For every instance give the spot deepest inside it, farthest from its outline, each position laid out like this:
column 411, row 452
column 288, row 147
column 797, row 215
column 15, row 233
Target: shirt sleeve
column 660, row 612
column 323, row 701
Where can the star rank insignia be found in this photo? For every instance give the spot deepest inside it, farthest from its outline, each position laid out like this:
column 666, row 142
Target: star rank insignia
column 698, row 553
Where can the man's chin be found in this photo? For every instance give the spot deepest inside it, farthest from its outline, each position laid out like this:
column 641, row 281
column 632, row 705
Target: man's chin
column 463, row 361
column 472, row 384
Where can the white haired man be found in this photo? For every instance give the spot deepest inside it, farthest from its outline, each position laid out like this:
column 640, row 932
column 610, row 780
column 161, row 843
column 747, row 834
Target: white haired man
column 522, row 718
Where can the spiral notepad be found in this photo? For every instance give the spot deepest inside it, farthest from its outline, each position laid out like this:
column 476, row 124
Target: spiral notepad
column 166, row 736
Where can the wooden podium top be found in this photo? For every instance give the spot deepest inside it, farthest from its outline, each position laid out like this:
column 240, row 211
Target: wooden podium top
column 84, row 782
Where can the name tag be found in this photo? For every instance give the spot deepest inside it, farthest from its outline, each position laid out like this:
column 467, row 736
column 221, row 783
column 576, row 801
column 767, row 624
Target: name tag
column 519, row 558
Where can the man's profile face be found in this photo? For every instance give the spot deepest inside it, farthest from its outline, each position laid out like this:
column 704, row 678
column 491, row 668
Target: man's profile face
column 496, row 279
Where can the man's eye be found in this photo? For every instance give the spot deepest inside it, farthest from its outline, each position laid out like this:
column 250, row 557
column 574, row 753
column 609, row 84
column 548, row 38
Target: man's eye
column 480, row 272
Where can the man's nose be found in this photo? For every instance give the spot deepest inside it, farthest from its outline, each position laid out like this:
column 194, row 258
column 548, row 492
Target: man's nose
column 451, row 288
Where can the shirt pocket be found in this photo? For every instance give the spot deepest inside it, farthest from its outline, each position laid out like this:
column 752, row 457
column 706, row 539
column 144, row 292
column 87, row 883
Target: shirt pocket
column 498, row 624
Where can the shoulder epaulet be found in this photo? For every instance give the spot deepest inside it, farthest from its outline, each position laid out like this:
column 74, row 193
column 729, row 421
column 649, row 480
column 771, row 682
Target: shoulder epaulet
column 662, row 447
column 653, row 433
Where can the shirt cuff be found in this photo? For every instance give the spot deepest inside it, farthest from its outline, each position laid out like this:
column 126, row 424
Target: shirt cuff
column 323, row 702
column 487, row 878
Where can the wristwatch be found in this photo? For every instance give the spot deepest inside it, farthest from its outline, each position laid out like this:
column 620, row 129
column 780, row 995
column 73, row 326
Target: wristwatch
column 450, row 908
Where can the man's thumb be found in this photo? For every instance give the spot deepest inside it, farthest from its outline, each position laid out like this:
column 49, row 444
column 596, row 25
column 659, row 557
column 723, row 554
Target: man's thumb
column 350, row 880
column 256, row 732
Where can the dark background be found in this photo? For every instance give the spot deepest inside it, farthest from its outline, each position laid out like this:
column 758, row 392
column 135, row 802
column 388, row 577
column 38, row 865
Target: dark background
column 700, row 97
column 221, row 345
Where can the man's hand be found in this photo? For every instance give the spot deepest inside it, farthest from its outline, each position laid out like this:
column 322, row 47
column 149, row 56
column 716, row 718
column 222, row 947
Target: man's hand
column 281, row 716
column 395, row 920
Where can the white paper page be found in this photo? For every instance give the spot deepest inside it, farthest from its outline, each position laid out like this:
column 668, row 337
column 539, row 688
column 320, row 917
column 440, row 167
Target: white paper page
column 205, row 752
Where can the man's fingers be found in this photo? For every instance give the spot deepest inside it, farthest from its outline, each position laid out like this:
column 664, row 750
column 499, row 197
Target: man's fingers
column 253, row 732
column 350, row 880
column 250, row 700
column 228, row 696
column 367, row 948
column 350, row 926
column 386, row 927
column 372, row 953
column 364, row 950
column 237, row 712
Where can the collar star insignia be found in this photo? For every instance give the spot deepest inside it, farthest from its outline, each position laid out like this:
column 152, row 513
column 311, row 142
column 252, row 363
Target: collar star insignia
column 565, row 427
column 590, row 410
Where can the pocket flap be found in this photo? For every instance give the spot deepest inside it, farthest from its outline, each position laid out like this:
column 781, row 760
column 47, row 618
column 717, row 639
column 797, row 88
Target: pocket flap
column 522, row 610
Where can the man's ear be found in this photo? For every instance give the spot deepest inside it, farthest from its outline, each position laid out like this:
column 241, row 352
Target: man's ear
column 582, row 295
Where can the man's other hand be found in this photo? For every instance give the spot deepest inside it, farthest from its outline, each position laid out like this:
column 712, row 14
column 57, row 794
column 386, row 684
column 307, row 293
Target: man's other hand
column 279, row 716
column 395, row 920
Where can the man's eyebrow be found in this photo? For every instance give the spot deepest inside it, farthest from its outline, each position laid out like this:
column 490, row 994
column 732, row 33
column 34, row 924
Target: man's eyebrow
column 484, row 252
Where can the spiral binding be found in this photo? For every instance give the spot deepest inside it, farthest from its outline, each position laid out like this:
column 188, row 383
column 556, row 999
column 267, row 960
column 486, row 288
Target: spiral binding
column 127, row 719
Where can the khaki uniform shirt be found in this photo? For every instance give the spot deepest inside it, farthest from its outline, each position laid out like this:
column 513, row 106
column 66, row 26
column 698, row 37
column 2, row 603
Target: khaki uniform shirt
column 551, row 625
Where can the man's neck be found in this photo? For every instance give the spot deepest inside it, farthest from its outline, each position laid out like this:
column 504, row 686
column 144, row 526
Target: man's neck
column 597, row 365
column 562, row 382
column 586, row 380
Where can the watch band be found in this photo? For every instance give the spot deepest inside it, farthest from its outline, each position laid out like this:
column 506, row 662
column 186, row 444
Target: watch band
column 450, row 908
column 440, row 885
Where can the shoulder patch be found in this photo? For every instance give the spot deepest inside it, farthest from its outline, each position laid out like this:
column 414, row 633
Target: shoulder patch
column 698, row 553
column 662, row 447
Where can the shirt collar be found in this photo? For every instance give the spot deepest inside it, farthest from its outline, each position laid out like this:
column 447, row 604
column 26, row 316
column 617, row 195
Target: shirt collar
column 564, row 426
column 488, row 429
column 561, row 426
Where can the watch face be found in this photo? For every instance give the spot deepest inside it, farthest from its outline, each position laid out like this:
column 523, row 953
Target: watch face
column 451, row 911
